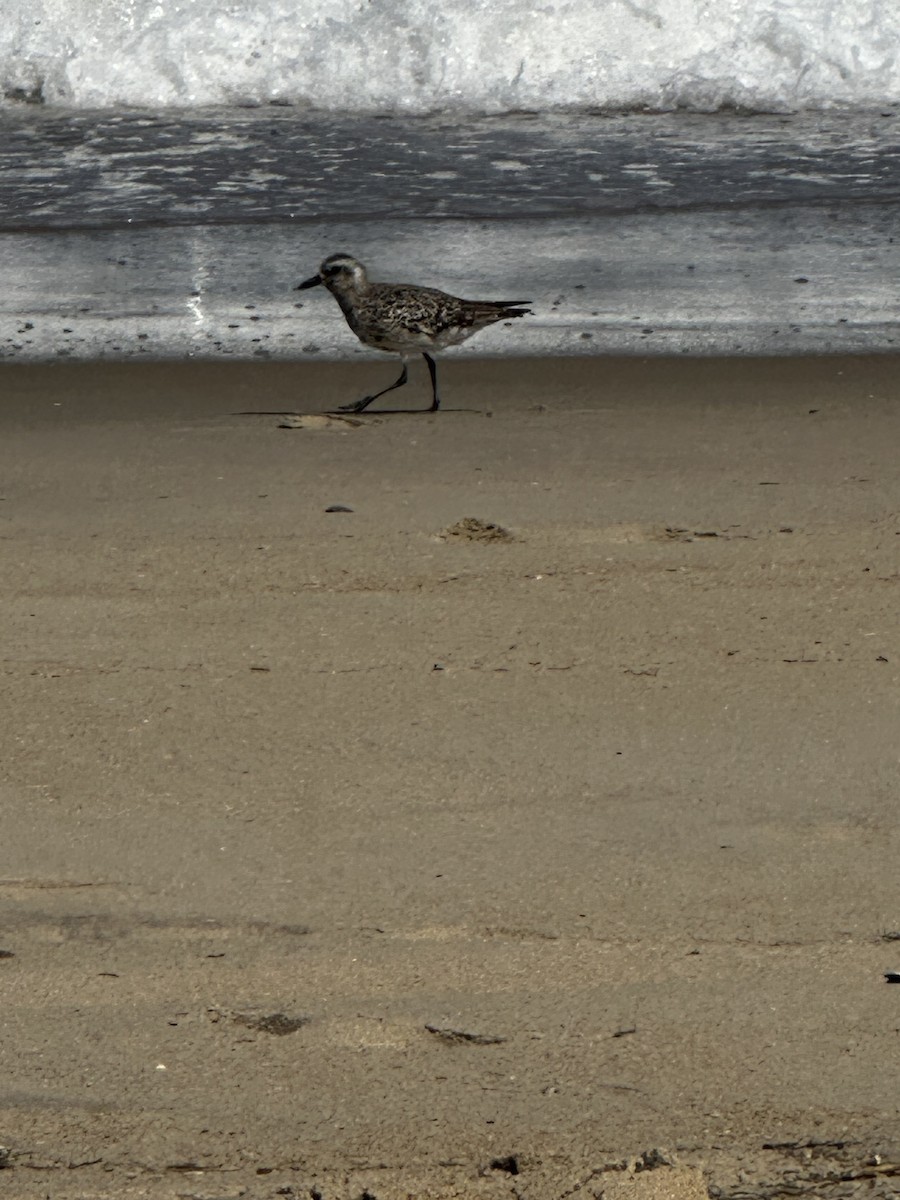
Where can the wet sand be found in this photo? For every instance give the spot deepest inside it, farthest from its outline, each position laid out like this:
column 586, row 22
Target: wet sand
column 355, row 852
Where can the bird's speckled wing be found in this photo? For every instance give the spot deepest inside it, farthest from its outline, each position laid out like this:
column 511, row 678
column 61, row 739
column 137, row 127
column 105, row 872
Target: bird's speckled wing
column 399, row 316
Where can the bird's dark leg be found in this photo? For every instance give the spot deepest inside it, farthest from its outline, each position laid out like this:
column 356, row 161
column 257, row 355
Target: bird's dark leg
column 432, row 371
column 359, row 405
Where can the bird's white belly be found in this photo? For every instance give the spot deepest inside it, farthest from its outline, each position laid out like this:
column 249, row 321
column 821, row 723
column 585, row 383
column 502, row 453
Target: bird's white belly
column 403, row 341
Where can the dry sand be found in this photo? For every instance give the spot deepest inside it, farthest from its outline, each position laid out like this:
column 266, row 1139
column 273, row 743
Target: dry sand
column 341, row 855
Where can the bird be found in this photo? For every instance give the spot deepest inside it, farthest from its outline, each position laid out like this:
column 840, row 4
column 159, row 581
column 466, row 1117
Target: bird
column 404, row 319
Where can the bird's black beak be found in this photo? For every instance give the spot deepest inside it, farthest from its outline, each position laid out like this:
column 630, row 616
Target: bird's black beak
column 308, row 283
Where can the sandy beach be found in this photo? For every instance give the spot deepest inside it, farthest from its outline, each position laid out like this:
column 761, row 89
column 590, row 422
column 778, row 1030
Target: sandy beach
column 526, row 830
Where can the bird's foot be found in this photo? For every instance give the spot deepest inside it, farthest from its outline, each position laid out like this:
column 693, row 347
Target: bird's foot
column 357, row 405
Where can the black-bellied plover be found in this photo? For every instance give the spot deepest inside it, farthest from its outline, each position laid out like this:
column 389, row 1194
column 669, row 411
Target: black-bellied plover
column 404, row 319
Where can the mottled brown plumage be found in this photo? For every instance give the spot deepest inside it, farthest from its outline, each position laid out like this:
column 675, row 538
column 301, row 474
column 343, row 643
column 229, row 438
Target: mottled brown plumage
column 403, row 319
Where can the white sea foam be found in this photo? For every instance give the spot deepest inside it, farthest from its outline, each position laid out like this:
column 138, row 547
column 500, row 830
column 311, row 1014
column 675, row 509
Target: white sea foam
column 415, row 56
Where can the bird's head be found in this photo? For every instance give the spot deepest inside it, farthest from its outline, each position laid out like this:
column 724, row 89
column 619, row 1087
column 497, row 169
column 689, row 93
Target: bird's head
column 339, row 273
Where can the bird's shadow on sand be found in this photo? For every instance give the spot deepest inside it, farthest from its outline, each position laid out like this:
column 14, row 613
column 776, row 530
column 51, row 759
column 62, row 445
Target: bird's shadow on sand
column 294, row 419
column 387, row 412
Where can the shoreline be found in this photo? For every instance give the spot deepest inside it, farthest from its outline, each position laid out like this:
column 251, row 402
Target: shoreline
column 162, row 238
column 781, row 283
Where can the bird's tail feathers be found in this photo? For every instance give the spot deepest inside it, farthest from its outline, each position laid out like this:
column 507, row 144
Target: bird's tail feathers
column 503, row 308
